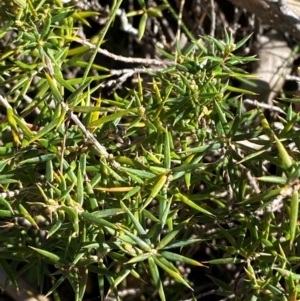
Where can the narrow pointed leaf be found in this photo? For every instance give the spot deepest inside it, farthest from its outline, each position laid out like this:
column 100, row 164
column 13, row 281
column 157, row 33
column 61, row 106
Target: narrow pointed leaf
column 191, row 204
column 111, row 117
column 180, row 258
column 136, row 223
column 168, row 238
column 142, row 25
column 173, row 274
column 294, row 217
column 156, row 278
column 155, row 190
column 53, row 258
column 139, row 258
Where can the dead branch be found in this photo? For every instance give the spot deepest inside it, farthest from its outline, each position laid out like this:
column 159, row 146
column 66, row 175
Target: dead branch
column 270, row 12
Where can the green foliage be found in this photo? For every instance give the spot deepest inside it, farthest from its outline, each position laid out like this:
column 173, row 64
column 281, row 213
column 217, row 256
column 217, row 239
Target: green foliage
column 169, row 159
column 155, row 11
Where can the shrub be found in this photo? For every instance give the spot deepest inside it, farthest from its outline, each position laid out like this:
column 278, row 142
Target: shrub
column 124, row 186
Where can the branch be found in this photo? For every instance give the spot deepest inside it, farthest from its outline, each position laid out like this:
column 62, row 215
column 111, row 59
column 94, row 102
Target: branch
column 271, row 13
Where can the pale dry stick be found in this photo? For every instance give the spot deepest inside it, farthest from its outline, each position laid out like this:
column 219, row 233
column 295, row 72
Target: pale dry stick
column 213, row 18
column 251, row 143
column 277, row 203
column 293, row 77
column 222, row 195
column 86, row 132
column 253, row 182
column 264, row 105
column 264, row 166
column 90, row 136
column 135, row 70
column 125, row 25
column 228, row 298
column 118, row 82
column 131, row 60
column 130, row 292
column 179, row 21
column 125, row 74
column 274, row 206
